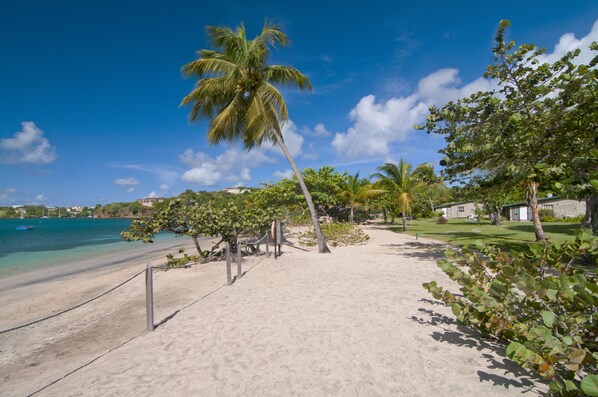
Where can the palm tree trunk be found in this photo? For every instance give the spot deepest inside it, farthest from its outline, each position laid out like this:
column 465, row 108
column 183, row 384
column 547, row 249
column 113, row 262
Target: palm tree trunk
column 351, row 214
column 404, row 220
column 532, row 198
column 322, row 247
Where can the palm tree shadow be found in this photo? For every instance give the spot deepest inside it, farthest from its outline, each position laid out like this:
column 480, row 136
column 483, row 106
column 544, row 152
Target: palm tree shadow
column 460, row 335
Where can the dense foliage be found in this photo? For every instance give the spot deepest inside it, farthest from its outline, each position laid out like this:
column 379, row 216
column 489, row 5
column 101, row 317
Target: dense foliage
column 196, row 220
column 538, row 300
column 337, row 234
column 540, row 124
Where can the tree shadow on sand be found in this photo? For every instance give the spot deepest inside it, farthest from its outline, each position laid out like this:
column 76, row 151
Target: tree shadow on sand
column 418, row 250
column 460, row 335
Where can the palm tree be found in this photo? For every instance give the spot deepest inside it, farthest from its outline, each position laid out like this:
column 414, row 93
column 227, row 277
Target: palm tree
column 235, row 92
column 355, row 192
column 435, row 188
column 401, row 183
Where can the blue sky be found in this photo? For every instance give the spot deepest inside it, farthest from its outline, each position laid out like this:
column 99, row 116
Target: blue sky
column 90, row 90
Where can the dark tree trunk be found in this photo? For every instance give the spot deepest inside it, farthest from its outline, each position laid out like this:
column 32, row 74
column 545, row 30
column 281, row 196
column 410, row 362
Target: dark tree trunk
column 532, row 199
column 591, row 218
column 196, row 241
column 494, row 218
column 404, row 216
column 384, row 212
column 351, row 214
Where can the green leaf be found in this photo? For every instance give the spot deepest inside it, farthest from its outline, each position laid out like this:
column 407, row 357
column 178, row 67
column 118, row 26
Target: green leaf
column 548, row 318
column 589, row 385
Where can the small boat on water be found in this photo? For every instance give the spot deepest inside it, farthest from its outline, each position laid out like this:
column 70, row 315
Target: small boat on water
column 24, row 227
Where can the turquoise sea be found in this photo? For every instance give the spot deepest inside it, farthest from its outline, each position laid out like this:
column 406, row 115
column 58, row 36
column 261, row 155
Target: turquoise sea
column 56, row 241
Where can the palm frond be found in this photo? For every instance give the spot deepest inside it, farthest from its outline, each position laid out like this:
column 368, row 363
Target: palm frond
column 287, row 76
column 206, row 67
column 228, row 126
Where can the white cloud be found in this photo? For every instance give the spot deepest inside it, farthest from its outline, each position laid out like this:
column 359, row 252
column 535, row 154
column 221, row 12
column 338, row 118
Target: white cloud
column 153, row 195
column 284, row 174
column 439, row 87
column 128, row 184
column 27, row 146
column 318, row 131
column 377, row 125
column 205, row 174
column 164, row 173
column 232, row 165
column 568, row 42
column 164, row 187
column 7, row 194
column 41, row 198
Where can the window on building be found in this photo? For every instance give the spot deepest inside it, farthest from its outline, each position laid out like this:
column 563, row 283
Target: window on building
column 461, row 209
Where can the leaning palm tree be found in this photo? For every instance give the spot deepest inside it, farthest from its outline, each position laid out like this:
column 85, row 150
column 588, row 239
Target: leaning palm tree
column 401, row 183
column 355, row 192
column 236, row 92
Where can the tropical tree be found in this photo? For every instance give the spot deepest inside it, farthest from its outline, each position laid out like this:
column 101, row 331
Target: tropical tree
column 235, row 91
column 538, row 123
column 356, row 192
column 401, row 182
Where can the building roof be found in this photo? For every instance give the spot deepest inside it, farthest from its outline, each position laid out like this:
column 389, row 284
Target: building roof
column 451, row 204
column 542, row 200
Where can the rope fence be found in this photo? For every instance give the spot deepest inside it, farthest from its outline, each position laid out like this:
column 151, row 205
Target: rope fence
column 72, row 307
column 267, row 239
column 276, row 231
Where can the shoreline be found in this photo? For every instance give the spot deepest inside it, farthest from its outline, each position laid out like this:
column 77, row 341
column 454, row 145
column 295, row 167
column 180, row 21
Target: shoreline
column 147, row 252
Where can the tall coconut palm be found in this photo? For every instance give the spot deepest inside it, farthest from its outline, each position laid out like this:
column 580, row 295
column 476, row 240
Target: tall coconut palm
column 236, row 92
column 355, row 192
column 401, row 183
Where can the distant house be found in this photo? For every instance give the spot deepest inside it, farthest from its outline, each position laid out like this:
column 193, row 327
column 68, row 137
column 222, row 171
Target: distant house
column 149, row 201
column 235, row 190
column 75, row 210
column 463, row 209
column 562, row 208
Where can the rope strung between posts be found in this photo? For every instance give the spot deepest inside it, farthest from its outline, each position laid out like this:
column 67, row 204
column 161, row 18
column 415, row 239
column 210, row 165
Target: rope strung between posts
column 71, row 308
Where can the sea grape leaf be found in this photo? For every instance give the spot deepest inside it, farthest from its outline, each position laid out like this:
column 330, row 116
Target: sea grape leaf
column 589, row 385
column 548, row 318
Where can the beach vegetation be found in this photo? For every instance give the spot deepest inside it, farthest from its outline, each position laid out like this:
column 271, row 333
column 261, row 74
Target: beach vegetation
column 539, row 300
column 355, row 192
column 226, row 221
column 337, row 234
column 537, row 129
column 236, row 91
column 401, row 183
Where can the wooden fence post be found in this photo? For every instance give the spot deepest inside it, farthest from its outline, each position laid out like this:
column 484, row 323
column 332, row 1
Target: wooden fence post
column 149, row 297
column 268, row 243
column 229, row 279
column 239, row 267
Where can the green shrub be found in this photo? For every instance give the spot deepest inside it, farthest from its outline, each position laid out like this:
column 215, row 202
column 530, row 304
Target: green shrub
column 336, row 234
column 442, row 220
column 535, row 300
column 546, row 213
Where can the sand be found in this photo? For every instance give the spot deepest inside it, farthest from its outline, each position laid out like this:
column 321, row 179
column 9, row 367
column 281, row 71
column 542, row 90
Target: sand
column 356, row 322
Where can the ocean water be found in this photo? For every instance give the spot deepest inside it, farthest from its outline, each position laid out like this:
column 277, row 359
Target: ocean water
column 57, row 241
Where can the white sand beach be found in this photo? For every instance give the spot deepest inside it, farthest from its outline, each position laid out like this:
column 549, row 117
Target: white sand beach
column 356, row 322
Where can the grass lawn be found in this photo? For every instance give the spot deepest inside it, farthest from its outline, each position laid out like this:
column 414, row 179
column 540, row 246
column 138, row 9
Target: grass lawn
column 507, row 235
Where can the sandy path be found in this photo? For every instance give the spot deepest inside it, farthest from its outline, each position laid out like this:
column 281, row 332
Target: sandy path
column 353, row 323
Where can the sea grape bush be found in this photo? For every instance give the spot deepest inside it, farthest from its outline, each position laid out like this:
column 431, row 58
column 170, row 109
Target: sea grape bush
column 536, row 299
column 201, row 220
